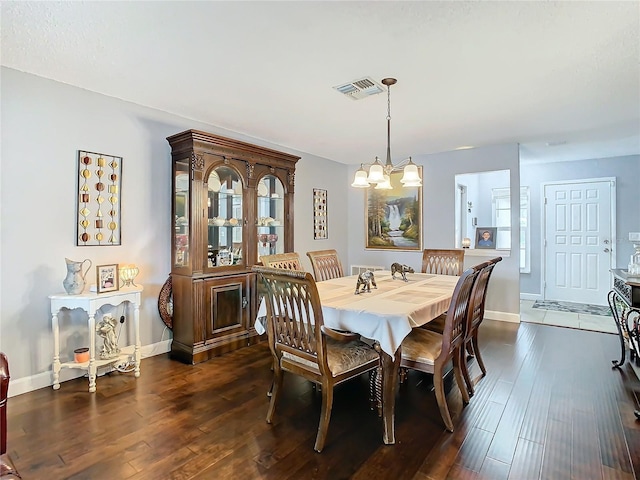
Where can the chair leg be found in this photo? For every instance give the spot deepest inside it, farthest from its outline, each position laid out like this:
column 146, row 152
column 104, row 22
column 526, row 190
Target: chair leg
column 465, row 370
column 276, row 388
column 476, row 349
column 271, row 388
column 325, row 416
column 375, row 390
column 458, row 361
column 438, row 385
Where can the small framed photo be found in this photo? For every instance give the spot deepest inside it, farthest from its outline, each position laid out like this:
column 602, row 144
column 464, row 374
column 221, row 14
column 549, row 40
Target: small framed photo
column 107, row 276
column 486, row 237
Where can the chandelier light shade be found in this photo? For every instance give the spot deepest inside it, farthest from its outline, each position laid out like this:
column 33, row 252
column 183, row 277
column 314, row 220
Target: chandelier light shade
column 360, row 180
column 385, row 184
column 379, row 174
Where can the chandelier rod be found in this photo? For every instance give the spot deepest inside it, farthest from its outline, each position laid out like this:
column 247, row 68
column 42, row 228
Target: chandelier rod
column 388, row 82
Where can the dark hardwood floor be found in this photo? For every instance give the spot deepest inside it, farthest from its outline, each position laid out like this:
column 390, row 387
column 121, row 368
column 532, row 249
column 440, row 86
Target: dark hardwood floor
column 550, row 407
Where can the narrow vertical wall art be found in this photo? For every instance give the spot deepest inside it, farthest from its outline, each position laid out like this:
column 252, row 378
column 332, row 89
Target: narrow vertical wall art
column 98, row 212
column 320, row 219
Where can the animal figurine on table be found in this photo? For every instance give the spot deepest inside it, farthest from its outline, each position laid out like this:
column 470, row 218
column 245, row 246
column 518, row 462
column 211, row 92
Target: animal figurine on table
column 402, row 270
column 365, row 280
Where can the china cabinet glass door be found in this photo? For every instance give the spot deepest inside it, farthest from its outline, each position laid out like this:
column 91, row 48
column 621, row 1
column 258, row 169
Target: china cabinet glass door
column 270, row 216
column 224, row 218
column 181, row 215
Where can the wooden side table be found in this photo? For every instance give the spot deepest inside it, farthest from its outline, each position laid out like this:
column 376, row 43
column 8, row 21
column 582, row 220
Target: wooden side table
column 90, row 302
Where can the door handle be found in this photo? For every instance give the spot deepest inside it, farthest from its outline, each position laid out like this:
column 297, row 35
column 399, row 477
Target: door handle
column 606, row 250
column 606, row 242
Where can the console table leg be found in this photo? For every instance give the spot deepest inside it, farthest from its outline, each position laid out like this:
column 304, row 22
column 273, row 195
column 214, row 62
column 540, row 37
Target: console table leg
column 56, row 351
column 93, row 369
column 611, row 298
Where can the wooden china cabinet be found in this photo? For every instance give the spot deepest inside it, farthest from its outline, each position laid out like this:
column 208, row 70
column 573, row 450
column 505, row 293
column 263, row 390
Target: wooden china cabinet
column 232, row 202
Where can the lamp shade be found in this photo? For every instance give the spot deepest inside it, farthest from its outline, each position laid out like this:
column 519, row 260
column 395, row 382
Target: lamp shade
column 127, row 274
column 411, row 175
column 385, row 184
column 376, row 172
column 360, row 180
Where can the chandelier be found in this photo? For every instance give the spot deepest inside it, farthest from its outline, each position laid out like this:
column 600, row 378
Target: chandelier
column 378, row 173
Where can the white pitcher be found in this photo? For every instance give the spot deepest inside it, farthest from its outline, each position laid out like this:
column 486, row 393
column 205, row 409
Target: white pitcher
column 74, row 281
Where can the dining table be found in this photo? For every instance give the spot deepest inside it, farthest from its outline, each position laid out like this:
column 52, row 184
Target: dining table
column 385, row 315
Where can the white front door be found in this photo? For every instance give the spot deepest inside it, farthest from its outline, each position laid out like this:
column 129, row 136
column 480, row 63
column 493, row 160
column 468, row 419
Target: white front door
column 578, row 240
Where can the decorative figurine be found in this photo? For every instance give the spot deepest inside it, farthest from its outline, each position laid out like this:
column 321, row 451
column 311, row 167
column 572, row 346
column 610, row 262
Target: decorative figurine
column 107, row 330
column 402, row 270
column 365, row 279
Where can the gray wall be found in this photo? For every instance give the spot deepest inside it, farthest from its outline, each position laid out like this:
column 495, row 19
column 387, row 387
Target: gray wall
column 439, row 171
column 626, row 170
column 44, row 124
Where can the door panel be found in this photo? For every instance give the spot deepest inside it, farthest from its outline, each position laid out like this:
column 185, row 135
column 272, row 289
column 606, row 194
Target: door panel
column 578, row 232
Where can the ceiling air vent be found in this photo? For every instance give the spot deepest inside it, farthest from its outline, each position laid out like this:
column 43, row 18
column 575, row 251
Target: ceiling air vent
column 364, row 87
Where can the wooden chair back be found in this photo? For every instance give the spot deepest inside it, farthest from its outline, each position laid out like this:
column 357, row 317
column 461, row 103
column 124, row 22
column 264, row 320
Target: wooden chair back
column 285, row 261
column 453, row 335
column 326, row 264
column 479, row 294
column 443, row 261
column 294, row 315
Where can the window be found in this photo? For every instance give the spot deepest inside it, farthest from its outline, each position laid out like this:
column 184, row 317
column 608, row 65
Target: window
column 501, row 209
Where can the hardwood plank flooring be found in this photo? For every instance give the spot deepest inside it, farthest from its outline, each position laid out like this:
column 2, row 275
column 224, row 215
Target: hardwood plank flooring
column 550, row 407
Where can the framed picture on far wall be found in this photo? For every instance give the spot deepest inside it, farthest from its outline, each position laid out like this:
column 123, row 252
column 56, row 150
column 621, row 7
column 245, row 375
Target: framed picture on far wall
column 107, row 278
column 394, row 216
column 486, row 237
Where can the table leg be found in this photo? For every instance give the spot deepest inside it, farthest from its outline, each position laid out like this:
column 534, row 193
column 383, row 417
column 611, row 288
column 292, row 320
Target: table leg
column 56, row 351
column 136, row 353
column 93, row 369
column 390, row 367
column 613, row 305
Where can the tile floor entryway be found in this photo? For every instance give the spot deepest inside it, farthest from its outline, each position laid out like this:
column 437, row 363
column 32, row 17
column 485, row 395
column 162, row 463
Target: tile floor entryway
column 580, row 321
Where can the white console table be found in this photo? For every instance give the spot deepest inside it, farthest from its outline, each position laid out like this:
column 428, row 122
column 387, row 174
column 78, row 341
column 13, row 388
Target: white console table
column 90, row 302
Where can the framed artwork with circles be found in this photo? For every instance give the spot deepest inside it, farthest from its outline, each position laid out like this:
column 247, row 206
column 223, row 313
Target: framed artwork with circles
column 98, row 200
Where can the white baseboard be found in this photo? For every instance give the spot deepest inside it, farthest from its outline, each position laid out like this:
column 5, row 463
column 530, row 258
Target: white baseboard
column 45, row 379
column 530, row 296
column 502, row 316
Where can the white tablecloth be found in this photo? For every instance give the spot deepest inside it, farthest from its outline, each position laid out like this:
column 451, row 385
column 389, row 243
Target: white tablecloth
column 388, row 313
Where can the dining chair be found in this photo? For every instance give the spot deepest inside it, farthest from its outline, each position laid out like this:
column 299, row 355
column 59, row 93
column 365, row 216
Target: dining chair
column 286, row 261
column 443, row 261
column 326, row 264
column 430, row 352
column 7, row 470
column 301, row 344
column 474, row 319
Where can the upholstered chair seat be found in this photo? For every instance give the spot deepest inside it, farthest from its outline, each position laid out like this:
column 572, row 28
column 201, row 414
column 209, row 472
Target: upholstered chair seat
column 422, row 346
column 341, row 357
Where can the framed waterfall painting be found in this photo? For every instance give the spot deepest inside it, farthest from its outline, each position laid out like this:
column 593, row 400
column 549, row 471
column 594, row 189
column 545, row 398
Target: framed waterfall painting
column 394, row 217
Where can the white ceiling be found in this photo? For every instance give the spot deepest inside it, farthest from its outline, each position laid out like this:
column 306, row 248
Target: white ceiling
column 561, row 78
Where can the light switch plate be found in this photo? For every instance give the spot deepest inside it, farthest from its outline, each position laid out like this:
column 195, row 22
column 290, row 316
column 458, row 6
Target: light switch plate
column 634, row 236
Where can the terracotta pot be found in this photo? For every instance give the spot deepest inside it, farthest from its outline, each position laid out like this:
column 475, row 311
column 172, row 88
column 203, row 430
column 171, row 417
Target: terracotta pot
column 81, row 355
